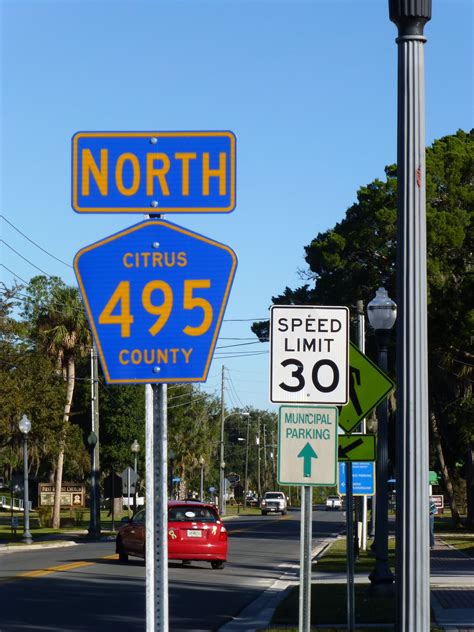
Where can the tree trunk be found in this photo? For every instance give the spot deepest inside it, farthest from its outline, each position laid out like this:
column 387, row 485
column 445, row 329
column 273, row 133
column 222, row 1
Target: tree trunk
column 447, row 484
column 71, row 374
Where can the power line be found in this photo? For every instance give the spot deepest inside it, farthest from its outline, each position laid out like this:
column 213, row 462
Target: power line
column 34, row 242
column 24, row 258
column 14, row 274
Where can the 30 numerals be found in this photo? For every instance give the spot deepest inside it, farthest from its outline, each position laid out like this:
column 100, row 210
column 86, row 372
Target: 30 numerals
column 297, row 374
column 157, row 299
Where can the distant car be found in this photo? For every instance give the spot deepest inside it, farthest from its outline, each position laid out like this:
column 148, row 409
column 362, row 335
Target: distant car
column 251, row 500
column 195, row 533
column 333, row 502
column 274, row 502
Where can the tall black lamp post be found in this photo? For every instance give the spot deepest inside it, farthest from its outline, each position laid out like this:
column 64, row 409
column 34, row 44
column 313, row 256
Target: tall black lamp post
column 135, row 448
column 382, row 313
column 201, row 487
column 94, row 529
column 25, row 427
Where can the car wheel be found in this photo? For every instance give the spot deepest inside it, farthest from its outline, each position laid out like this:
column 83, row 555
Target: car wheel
column 122, row 556
column 217, row 565
column 283, row 513
column 264, row 513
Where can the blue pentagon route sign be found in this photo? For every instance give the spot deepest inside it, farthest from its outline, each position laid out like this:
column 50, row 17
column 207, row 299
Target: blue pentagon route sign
column 155, row 295
column 171, row 172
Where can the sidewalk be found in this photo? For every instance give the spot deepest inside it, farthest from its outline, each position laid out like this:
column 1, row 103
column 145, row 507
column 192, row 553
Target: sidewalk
column 452, row 587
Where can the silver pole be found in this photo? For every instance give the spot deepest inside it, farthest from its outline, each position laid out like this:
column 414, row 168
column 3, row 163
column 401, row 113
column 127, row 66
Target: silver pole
column 156, row 448
column 361, row 345
column 305, row 558
column 413, row 568
column 27, row 538
column 350, row 548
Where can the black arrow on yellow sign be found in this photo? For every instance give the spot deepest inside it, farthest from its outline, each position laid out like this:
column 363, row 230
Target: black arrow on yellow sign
column 356, row 448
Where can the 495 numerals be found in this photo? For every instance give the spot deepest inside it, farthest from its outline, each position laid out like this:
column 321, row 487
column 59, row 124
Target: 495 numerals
column 157, row 299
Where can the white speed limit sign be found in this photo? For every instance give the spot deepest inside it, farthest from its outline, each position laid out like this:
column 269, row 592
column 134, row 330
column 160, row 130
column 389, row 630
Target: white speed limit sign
column 309, row 354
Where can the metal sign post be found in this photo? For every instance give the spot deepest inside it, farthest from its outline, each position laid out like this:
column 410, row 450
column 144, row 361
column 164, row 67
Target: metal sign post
column 350, row 549
column 157, row 508
column 305, row 558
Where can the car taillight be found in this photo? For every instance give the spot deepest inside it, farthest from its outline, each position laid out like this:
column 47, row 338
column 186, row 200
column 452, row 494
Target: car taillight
column 223, row 535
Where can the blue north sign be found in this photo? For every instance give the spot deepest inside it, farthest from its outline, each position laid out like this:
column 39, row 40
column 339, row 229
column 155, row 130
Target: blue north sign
column 171, row 172
column 155, row 295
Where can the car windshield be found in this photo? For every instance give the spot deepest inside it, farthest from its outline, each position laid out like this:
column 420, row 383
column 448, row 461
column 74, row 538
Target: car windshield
column 272, row 495
column 184, row 513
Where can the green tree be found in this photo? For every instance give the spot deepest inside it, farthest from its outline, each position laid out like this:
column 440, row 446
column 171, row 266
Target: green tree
column 348, row 262
column 59, row 327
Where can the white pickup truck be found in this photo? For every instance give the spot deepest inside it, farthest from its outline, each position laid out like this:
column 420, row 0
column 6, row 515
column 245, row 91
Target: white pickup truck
column 273, row 502
column 333, row 502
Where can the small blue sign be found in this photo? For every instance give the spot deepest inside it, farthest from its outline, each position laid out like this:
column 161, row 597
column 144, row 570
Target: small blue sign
column 162, row 172
column 155, row 296
column 363, row 478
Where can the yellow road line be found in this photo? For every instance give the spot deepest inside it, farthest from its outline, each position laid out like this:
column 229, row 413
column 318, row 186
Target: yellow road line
column 55, row 569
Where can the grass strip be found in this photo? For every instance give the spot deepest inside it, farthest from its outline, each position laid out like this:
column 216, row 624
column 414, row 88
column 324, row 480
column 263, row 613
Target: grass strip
column 329, row 606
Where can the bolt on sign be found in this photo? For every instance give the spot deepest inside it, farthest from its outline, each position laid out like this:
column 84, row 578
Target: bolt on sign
column 155, row 296
column 161, row 172
column 307, row 445
column 309, row 354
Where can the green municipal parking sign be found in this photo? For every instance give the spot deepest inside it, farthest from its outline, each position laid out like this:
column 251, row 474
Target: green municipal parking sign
column 307, row 445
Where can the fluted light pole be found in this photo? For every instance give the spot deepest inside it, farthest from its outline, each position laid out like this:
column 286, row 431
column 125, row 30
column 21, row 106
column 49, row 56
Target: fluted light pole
column 93, row 523
column 382, row 313
column 413, row 564
column 25, row 426
column 135, row 449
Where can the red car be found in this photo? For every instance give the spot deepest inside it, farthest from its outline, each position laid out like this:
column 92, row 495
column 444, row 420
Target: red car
column 195, row 533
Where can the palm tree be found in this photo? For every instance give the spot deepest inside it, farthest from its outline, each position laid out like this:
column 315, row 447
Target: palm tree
column 63, row 333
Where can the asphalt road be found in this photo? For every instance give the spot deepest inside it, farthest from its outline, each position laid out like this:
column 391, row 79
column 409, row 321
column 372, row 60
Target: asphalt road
column 83, row 587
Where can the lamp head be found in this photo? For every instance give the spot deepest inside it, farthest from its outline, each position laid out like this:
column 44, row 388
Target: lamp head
column 381, row 310
column 24, row 425
column 135, row 447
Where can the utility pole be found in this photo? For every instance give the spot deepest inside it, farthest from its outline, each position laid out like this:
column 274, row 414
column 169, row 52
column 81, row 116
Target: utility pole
column 257, row 441
column 265, row 471
column 221, row 455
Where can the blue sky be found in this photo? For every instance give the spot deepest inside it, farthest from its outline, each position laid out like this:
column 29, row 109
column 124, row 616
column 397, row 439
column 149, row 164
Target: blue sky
column 308, row 87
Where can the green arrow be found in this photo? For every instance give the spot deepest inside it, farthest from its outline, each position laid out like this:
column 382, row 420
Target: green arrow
column 307, row 453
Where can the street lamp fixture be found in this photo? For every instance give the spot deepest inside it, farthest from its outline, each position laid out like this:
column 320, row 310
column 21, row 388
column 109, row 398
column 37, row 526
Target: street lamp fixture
column 93, row 523
column 382, row 313
column 135, row 448
column 201, row 488
column 25, row 426
column 222, row 462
